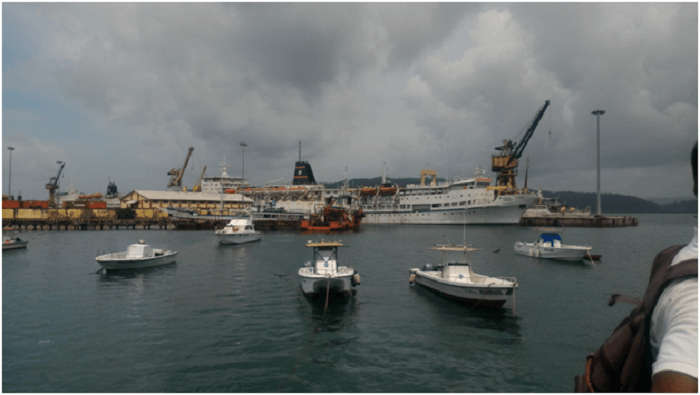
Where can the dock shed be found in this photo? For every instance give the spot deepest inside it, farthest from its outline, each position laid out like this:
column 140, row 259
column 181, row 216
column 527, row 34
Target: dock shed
column 200, row 201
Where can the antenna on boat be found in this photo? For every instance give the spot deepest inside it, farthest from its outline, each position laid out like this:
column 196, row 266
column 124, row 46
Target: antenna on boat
column 299, row 150
column 464, row 233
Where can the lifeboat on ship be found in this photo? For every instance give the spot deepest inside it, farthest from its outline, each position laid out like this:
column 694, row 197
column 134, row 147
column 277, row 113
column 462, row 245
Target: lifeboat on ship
column 385, row 190
column 368, row 191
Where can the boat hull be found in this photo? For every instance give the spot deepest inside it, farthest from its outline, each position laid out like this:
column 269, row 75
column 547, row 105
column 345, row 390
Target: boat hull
column 15, row 245
column 229, row 239
column 316, row 285
column 554, row 253
column 123, row 264
column 496, row 215
column 477, row 296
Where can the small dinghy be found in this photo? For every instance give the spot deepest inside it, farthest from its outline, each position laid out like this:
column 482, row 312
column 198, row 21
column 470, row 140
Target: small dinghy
column 456, row 280
column 11, row 243
column 238, row 231
column 323, row 276
column 549, row 246
column 137, row 256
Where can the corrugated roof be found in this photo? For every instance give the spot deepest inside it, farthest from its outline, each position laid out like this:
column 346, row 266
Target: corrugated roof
column 193, row 196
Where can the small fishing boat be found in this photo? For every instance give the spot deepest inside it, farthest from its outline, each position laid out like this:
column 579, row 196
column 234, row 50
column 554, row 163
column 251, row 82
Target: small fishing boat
column 137, row 256
column 238, row 231
column 456, row 280
column 549, row 246
column 11, row 243
column 323, row 276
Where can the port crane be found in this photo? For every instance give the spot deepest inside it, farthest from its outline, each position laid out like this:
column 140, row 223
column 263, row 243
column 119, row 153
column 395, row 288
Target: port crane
column 175, row 181
column 505, row 163
column 198, row 186
column 52, row 185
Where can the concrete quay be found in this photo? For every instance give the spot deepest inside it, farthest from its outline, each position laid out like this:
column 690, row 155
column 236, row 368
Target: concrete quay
column 595, row 221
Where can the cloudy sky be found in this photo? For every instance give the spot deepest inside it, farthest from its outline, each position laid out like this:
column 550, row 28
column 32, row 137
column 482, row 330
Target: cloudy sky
column 121, row 91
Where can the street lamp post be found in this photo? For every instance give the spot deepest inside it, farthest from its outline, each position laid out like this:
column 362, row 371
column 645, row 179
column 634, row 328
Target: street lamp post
column 597, row 114
column 243, row 147
column 9, row 178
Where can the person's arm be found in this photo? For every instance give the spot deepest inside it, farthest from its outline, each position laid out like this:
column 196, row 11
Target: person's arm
column 668, row 381
column 675, row 330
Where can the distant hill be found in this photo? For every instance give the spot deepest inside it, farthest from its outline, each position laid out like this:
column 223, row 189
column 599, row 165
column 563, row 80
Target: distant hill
column 621, row 204
column 610, row 202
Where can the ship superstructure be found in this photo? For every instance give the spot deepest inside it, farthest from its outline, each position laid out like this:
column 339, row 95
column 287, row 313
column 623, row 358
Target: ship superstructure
column 222, row 183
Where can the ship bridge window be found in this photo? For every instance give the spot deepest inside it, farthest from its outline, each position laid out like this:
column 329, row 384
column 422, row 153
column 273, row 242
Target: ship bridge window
column 437, row 205
column 483, row 184
column 462, row 203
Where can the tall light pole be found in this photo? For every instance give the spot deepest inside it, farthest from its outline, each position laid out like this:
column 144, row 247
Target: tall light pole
column 243, row 147
column 597, row 114
column 9, row 181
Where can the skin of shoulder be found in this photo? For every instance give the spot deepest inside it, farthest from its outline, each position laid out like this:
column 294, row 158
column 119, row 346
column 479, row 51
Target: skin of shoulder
column 668, row 381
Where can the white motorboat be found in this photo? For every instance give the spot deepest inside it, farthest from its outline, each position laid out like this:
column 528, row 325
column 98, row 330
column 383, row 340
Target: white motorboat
column 11, row 243
column 549, row 246
column 323, row 276
column 137, row 256
column 456, row 280
column 238, row 231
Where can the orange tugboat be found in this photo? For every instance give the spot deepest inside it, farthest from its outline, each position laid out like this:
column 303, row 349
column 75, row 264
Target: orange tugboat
column 332, row 218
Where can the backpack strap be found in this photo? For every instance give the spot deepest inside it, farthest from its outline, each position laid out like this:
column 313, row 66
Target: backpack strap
column 662, row 274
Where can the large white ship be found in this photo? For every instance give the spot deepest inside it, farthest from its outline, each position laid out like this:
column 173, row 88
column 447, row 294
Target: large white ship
column 459, row 201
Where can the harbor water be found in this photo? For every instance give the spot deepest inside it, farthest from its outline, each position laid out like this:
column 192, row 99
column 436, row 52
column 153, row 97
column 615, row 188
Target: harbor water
column 232, row 318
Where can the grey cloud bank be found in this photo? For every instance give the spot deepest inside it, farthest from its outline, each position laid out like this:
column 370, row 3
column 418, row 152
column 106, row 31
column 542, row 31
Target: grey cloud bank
column 121, row 91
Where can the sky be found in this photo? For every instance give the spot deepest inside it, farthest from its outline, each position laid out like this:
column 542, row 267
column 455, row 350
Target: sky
column 120, row 91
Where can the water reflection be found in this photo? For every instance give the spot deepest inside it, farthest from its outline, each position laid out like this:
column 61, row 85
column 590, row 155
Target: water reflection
column 339, row 314
column 134, row 280
column 448, row 312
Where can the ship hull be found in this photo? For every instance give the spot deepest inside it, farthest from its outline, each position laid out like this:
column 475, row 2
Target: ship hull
column 495, row 214
column 239, row 238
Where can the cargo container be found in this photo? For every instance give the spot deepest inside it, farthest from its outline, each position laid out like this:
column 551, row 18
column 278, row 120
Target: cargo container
column 10, row 204
column 31, row 213
column 97, row 204
column 8, row 213
column 34, row 204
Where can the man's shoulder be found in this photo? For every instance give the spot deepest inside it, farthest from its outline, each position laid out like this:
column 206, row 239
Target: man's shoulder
column 673, row 325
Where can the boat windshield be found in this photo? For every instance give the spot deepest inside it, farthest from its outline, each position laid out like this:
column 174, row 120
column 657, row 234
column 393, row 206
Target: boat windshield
column 550, row 237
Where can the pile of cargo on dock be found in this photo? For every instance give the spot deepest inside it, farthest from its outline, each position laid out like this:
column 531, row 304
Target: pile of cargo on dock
column 552, row 213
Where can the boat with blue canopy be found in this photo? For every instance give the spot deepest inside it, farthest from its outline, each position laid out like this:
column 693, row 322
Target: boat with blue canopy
column 549, row 245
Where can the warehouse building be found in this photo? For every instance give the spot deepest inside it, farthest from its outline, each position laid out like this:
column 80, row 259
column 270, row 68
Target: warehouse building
column 202, row 202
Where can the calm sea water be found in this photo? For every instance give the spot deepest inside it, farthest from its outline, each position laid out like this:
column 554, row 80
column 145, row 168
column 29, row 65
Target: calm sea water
column 232, row 319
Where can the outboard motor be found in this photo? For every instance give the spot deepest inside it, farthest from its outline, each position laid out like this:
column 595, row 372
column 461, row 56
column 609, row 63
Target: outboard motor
column 355, row 278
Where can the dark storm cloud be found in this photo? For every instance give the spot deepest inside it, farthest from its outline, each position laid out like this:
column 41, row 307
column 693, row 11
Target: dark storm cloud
column 302, row 45
column 414, row 85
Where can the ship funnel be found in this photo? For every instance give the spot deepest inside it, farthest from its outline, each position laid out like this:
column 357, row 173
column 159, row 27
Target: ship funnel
column 303, row 175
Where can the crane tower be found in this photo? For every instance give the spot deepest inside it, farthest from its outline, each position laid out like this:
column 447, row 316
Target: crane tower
column 505, row 162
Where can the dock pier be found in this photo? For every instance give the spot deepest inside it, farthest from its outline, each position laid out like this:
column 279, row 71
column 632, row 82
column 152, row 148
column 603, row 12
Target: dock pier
column 62, row 224
column 596, row 221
